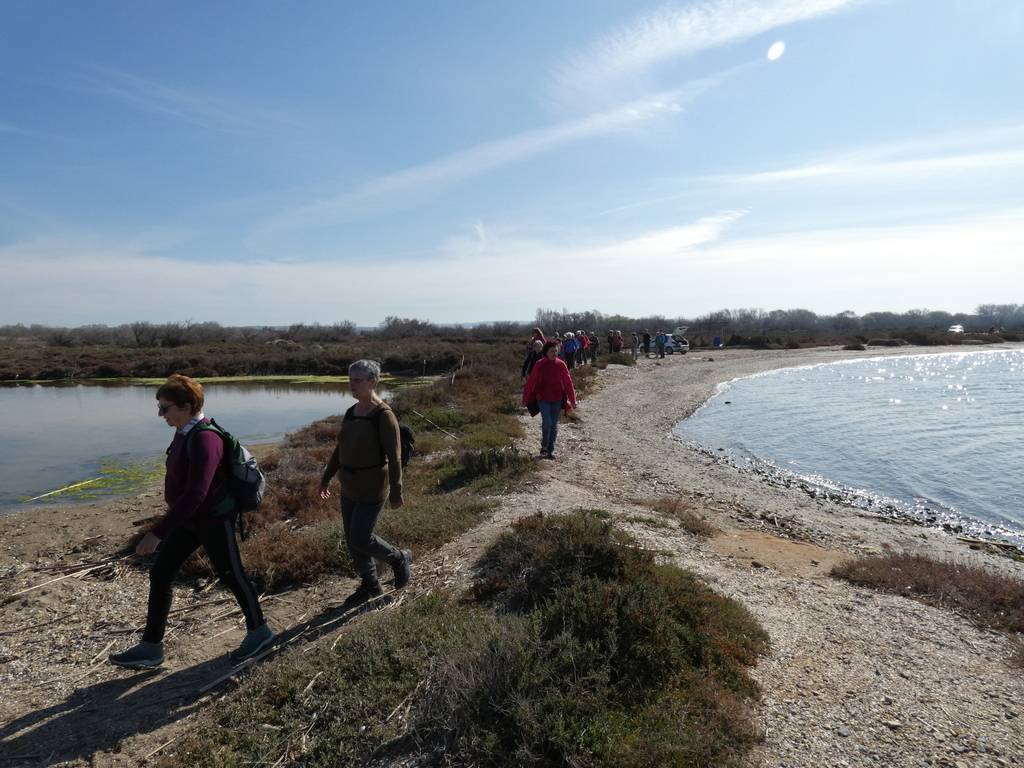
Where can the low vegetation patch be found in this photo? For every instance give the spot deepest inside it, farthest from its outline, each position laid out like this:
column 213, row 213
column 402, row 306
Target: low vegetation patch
column 618, row 358
column 989, row 599
column 465, row 426
column 684, row 513
column 576, row 649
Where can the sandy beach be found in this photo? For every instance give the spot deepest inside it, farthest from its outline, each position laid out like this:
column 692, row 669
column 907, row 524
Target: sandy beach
column 853, row 678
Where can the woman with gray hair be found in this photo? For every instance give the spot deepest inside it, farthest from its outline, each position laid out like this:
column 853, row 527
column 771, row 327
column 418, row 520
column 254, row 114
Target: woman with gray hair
column 367, row 462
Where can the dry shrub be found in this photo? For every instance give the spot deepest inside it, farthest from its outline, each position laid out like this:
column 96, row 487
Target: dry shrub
column 683, row 512
column 278, row 555
column 987, row 598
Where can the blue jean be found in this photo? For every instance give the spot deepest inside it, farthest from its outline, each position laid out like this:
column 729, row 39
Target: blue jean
column 550, row 410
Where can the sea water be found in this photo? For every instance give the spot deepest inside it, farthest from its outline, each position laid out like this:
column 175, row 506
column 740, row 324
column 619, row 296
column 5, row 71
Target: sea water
column 937, row 438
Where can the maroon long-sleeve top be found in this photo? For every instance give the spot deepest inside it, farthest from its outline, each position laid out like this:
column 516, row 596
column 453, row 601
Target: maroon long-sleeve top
column 549, row 380
column 194, row 482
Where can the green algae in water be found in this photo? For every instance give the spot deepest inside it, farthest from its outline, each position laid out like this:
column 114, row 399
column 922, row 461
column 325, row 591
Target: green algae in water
column 116, row 478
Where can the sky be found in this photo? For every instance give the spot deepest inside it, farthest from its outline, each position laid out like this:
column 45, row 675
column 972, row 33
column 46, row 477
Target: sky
column 269, row 163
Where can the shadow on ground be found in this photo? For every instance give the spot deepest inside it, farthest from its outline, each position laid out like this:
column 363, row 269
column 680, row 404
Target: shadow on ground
column 98, row 717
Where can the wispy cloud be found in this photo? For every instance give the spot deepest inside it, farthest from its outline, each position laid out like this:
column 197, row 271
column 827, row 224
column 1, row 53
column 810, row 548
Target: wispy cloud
column 187, row 105
column 689, row 269
column 408, row 186
column 949, row 155
column 611, row 62
column 17, row 130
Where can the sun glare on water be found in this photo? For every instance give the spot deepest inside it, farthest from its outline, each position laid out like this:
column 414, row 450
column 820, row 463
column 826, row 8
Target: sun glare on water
column 776, row 51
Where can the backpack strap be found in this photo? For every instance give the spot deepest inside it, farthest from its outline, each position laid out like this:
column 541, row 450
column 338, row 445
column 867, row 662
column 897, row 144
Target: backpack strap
column 227, row 504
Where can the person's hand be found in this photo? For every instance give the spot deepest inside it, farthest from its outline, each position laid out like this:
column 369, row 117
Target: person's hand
column 397, row 503
column 148, row 544
column 325, row 493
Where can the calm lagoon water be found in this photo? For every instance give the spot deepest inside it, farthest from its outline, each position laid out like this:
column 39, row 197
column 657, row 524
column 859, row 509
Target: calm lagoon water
column 54, row 436
column 937, row 438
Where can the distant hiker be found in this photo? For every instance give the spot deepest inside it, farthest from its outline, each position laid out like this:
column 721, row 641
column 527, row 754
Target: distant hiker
column 569, row 347
column 199, row 513
column 536, row 335
column 595, row 346
column 532, row 356
column 617, row 342
column 584, row 347
column 367, row 462
column 647, row 343
column 636, row 345
column 611, row 341
column 549, row 389
column 661, row 341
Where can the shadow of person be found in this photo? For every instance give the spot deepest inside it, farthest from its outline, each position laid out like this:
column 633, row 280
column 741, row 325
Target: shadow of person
column 99, row 716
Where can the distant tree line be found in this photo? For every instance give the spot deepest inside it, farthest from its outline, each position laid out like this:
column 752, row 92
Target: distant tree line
column 793, row 327
column 756, row 327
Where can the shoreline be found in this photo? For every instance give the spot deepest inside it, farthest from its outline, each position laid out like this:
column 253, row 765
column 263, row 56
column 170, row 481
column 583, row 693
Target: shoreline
column 845, row 663
column 972, row 530
column 1008, row 544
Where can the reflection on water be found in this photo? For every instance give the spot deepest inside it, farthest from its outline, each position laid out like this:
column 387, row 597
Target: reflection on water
column 54, row 436
column 935, row 437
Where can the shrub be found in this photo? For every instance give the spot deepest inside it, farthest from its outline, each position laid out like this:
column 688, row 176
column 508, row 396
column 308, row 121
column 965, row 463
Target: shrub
column 619, row 663
column 989, row 599
column 619, row 358
column 684, row 513
column 855, row 346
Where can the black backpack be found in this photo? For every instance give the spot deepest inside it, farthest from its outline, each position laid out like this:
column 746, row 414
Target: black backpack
column 246, row 482
column 405, row 435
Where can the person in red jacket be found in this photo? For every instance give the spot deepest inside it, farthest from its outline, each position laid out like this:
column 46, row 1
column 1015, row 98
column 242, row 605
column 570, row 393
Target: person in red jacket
column 550, row 389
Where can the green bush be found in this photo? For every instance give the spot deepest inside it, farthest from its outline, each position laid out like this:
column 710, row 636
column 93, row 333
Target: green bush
column 619, row 358
column 618, row 662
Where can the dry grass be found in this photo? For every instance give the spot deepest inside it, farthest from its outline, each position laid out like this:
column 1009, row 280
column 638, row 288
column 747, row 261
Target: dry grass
column 684, row 513
column 989, row 599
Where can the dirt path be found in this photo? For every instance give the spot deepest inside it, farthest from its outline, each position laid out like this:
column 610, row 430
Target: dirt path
column 854, row 678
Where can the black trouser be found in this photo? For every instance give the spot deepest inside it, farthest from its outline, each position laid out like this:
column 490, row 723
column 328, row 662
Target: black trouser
column 217, row 538
column 358, row 519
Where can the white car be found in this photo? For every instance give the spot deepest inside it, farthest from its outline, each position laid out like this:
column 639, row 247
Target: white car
column 674, row 345
column 956, row 329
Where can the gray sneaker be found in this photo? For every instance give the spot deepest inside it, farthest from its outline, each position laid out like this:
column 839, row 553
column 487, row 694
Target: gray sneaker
column 142, row 656
column 255, row 641
column 402, row 569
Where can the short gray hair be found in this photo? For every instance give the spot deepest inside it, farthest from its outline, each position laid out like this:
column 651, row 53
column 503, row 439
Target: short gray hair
column 371, row 368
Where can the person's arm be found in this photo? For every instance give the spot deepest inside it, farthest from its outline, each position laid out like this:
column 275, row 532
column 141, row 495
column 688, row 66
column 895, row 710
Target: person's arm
column 391, row 440
column 332, row 467
column 205, row 451
column 568, row 388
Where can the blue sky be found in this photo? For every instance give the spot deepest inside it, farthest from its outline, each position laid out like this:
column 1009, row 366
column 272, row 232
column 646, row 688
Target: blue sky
column 271, row 163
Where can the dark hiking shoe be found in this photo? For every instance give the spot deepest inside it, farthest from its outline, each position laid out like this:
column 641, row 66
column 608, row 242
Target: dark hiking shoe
column 543, row 452
column 142, row 656
column 255, row 641
column 402, row 569
column 550, row 455
column 364, row 592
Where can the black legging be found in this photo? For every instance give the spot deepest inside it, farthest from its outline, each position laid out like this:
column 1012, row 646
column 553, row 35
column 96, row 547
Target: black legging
column 217, row 538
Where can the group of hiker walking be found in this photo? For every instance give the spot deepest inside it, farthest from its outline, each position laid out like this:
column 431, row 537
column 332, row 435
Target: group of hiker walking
column 202, row 512
column 582, row 347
